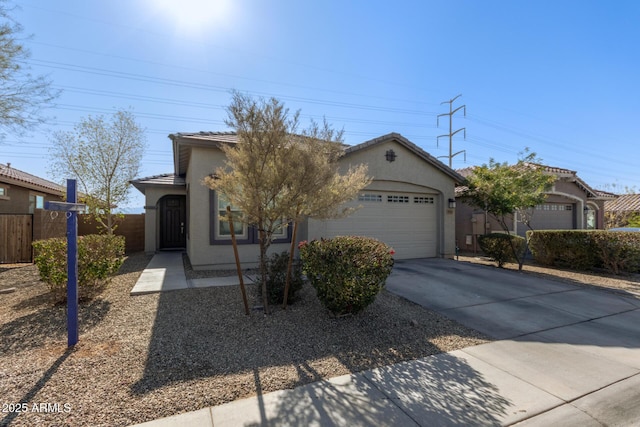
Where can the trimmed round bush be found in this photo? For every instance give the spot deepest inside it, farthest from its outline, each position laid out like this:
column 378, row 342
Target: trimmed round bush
column 99, row 258
column 347, row 272
column 497, row 246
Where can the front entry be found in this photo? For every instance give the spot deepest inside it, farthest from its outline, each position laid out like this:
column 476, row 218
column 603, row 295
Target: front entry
column 173, row 222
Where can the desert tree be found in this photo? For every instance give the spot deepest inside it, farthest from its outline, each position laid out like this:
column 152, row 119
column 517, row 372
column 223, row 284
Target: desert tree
column 504, row 190
column 104, row 155
column 23, row 96
column 275, row 174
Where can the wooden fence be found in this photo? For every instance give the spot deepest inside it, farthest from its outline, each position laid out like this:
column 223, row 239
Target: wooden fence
column 16, row 234
column 130, row 226
column 18, row 231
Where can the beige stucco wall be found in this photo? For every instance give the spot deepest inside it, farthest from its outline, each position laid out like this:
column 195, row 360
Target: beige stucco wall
column 408, row 173
column 203, row 255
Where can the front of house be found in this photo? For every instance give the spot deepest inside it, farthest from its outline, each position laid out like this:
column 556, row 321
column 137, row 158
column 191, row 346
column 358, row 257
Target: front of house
column 407, row 205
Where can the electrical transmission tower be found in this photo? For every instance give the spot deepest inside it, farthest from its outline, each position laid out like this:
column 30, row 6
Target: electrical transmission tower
column 451, row 131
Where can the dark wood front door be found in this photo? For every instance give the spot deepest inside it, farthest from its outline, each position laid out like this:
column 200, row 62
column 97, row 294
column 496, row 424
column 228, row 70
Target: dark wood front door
column 173, row 222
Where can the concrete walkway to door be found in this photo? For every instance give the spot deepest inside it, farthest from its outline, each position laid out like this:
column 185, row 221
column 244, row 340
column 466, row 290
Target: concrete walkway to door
column 165, row 272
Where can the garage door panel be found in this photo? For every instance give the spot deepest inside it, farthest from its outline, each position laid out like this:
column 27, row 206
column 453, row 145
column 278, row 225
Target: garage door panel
column 409, row 228
column 553, row 216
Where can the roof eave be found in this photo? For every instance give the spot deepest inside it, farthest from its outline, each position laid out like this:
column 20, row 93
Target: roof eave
column 32, row 186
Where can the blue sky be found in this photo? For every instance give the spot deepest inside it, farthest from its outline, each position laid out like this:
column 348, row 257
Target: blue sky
column 558, row 77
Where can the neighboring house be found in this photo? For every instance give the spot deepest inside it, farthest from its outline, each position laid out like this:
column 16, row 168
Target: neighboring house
column 407, row 205
column 620, row 209
column 22, row 215
column 22, row 193
column 571, row 204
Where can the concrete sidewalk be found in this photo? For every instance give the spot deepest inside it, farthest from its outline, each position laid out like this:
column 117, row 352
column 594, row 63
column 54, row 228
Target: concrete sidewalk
column 567, row 356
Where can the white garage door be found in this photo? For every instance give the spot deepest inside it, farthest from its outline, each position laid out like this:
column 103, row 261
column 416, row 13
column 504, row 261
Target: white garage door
column 405, row 221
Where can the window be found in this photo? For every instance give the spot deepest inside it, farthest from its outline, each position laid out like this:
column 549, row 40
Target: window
column 36, row 201
column 398, row 199
column 590, row 218
column 223, row 228
column 554, row 207
column 3, row 191
column 423, row 200
column 220, row 231
column 369, row 197
column 282, row 232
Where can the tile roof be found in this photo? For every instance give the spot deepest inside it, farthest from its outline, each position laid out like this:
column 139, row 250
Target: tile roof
column 228, row 137
column 167, row 179
column 465, row 172
column 624, row 203
column 10, row 173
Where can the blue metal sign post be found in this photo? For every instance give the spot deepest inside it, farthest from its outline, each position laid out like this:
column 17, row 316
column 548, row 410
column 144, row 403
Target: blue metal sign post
column 72, row 266
column 71, row 207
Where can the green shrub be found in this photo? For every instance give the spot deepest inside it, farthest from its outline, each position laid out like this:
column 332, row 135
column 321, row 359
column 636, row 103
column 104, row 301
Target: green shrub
column 277, row 275
column 347, row 272
column 99, row 258
column 572, row 249
column 618, row 251
column 587, row 249
column 497, row 246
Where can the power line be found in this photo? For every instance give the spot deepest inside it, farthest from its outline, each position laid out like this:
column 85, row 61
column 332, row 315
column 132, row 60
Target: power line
column 212, row 88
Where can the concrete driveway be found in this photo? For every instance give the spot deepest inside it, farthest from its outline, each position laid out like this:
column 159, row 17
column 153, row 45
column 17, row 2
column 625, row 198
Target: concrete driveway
column 577, row 344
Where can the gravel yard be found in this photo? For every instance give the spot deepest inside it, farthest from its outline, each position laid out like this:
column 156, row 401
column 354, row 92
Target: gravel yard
column 151, row 356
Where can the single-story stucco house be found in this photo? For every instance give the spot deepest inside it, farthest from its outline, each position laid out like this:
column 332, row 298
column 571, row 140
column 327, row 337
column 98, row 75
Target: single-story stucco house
column 409, row 204
column 571, row 204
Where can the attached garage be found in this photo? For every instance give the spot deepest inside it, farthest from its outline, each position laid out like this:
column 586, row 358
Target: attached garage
column 405, row 221
column 405, row 206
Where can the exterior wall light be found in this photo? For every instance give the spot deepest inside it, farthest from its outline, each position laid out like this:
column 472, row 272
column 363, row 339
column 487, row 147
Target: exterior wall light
column 452, row 203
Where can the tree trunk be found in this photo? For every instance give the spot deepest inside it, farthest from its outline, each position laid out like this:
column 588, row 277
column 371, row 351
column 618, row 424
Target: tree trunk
column 109, row 223
column 263, row 270
column 290, row 265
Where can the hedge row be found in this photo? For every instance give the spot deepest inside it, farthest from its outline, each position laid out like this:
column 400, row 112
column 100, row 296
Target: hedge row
column 586, row 249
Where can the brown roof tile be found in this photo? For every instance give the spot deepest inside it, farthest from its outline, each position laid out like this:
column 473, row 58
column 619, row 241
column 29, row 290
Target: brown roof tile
column 167, row 179
column 9, row 172
column 623, row 203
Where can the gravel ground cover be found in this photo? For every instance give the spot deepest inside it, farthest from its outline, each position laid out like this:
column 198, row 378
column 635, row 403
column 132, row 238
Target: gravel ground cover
column 150, row 356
